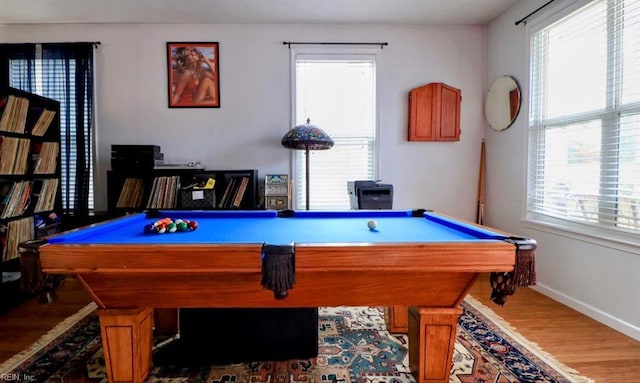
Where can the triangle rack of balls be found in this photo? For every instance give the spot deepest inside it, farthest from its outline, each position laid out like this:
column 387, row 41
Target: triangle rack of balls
column 168, row 225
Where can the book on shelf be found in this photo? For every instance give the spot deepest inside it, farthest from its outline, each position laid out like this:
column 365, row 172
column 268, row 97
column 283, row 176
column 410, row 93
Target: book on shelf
column 164, row 192
column 8, row 147
column 21, row 121
column 228, row 191
column 154, row 186
column 46, row 196
column 14, row 153
column 45, row 157
column 239, row 195
column 7, row 115
column 14, row 117
column 17, row 200
column 16, row 232
column 158, row 202
column 131, row 193
column 234, row 192
column 44, row 121
column 152, row 202
column 22, row 156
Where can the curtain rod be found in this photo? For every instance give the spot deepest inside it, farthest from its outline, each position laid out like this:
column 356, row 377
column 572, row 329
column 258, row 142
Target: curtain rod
column 74, row 42
column 524, row 19
column 290, row 43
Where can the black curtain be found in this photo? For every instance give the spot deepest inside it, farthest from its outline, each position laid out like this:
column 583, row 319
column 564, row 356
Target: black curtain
column 23, row 74
column 67, row 76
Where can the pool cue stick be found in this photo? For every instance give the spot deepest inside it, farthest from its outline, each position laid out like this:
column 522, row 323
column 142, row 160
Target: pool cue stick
column 481, row 180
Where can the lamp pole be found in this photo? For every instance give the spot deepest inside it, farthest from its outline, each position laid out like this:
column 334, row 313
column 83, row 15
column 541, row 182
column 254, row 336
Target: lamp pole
column 306, row 153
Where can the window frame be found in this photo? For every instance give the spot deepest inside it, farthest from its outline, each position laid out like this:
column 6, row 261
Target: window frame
column 593, row 233
column 328, row 53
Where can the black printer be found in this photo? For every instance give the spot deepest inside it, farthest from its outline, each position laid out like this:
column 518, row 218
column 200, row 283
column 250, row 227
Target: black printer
column 370, row 195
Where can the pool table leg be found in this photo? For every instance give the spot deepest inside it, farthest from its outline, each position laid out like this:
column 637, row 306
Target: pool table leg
column 397, row 319
column 127, row 337
column 432, row 336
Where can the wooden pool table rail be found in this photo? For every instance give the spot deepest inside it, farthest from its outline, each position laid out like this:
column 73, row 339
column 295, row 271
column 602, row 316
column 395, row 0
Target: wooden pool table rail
column 128, row 281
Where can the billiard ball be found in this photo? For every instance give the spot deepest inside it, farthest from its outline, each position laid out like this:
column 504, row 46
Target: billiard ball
column 182, row 226
column 372, row 224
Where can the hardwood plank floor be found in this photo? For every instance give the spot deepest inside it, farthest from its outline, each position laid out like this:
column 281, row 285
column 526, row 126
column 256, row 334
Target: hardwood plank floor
column 24, row 324
column 579, row 342
column 591, row 348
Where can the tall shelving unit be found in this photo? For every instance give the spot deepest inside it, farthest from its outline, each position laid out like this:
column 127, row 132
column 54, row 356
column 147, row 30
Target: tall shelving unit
column 29, row 179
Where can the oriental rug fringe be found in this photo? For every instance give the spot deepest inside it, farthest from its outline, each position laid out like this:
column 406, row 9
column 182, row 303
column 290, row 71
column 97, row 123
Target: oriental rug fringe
column 354, row 346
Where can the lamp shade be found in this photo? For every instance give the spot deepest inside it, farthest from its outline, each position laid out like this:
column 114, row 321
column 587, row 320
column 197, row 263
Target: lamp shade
column 307, row 137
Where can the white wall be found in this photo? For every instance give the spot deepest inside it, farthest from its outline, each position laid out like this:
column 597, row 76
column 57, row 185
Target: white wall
column 255, row 99
column 593, row 278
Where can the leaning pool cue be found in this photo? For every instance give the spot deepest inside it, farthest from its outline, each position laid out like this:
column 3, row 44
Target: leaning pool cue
column 481, row 196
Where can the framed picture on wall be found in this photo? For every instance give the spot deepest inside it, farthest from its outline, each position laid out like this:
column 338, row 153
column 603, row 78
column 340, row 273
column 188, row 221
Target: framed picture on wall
column 194, row 80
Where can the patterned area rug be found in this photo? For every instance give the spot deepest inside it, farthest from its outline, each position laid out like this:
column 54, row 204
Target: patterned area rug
column 354, row 346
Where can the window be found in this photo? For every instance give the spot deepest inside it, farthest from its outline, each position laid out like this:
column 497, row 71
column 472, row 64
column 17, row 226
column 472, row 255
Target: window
column 337, row 93
column 63, row 72
column 584, row 122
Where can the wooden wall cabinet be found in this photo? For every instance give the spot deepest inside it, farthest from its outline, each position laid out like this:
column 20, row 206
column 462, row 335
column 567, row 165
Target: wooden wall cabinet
column 434, row 113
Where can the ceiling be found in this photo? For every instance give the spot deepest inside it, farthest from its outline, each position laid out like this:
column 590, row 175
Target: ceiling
column 466, row 12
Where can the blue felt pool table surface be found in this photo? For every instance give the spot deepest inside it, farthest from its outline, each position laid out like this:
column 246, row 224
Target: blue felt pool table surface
column 266, row 226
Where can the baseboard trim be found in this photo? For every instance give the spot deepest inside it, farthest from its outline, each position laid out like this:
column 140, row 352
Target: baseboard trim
column 592, row 312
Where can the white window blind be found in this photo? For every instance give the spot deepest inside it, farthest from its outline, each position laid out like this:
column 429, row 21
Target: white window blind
column 584, row 122
column 338, row 95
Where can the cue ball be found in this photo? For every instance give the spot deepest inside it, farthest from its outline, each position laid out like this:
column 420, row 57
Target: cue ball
column 372, row 224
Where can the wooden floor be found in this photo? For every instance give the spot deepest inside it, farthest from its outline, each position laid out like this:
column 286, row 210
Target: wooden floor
column 581, row 343
column 594, row 350
column 24, row 324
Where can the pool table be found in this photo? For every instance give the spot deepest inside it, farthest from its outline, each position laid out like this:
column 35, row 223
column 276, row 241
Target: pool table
column 421, row 259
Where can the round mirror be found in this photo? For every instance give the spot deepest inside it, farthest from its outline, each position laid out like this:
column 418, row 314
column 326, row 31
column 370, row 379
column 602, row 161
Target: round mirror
column 503, row 103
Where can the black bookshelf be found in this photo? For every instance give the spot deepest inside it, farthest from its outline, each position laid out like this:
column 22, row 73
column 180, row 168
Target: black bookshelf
column 30, row 188
column 228, row 181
